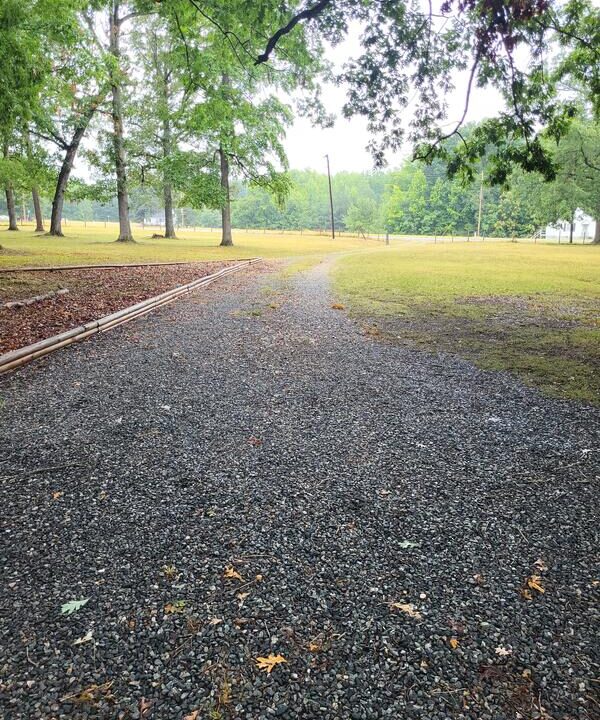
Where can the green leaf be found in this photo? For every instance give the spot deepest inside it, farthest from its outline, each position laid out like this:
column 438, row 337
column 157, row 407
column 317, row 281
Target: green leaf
column 73, row 606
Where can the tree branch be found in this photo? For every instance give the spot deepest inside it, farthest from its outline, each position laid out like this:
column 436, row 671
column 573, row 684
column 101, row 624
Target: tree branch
column 306, row 14
column 462, row 119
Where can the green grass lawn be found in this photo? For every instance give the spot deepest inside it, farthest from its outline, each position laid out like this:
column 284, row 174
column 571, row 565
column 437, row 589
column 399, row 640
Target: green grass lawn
column 530, row 309
column 95, row 244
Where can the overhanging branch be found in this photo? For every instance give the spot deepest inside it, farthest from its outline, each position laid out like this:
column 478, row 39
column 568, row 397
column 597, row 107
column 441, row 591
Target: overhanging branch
column 306, row 14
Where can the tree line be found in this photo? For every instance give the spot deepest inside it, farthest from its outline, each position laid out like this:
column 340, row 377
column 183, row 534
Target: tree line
column 415, row 199
column 178, row 104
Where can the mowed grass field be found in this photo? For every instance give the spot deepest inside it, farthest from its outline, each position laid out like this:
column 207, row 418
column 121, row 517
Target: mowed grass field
column 95, row 244
column 531, row 309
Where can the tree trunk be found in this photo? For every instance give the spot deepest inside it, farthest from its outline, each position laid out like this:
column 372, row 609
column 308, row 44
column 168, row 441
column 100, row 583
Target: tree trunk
column 596, row 240
column 37, row 208
column 10, row 199
column 35, row 193
column 12, row 208
column 167, row 187
column 169, row 222
column 571, row 228
column 58, row 200
column 125, row 234
column 226, row 239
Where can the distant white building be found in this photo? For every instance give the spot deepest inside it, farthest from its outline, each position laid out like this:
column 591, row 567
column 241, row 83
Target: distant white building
column 583, row 227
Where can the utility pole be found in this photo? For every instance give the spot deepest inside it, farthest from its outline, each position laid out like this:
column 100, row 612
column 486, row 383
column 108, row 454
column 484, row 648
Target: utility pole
column 330, row 199
column 480, row 206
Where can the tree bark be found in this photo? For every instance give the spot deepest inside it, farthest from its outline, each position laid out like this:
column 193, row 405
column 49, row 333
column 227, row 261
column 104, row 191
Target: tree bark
column 167, row 187
column 571, row 228
column 226, row 239
column 169, row 222
column 125, row 234
column 71, row 150
column 35, row 192
column 37, row 208
column 58, row 200
column 596, row 240
column 11, row 208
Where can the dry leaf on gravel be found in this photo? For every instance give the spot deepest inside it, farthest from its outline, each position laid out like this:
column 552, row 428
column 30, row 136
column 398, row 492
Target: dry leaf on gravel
column 232, row 574
column 56, row 495
column 86, row 638
column 216, row 621
column 176, row 607
column 144, row 708
column 91, row 694
column 253, row 440
column 502, row 651
column 407, row 608
column 193, row 715
column 169, row 571
column 534, row 582
column 268, row 663
column 540, row 565
column 454, row 643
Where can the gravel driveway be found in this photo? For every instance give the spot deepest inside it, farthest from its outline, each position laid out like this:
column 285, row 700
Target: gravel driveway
column 247, row 474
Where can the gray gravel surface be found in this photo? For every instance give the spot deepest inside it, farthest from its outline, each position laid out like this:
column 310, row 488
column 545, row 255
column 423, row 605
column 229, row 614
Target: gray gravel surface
column 383, row 507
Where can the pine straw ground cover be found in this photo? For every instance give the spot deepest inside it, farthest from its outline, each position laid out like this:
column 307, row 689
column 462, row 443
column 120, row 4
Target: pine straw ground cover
column 530, row 309
column 92, row 294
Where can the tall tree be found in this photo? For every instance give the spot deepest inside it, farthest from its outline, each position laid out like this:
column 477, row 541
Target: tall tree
column 158, row 114
column 410, row 53
column 116, row 21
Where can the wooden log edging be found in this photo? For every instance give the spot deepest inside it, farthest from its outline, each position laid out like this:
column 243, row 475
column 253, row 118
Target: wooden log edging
column 16, row 358
column 106, row 266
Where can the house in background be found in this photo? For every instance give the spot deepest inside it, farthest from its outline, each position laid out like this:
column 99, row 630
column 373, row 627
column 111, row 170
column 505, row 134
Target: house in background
column 584, row 228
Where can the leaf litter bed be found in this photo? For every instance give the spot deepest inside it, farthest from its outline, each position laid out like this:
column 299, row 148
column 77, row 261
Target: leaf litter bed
column 92, row 294
column 273, row 515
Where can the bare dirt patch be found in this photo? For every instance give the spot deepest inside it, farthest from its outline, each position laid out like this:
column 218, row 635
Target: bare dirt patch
column 554, row 346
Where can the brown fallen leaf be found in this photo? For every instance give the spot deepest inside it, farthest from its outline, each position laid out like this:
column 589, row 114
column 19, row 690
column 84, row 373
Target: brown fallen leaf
column 314, row 647
column 534, row 582
column 225, row 693
column 242, row 596
column 407, row 608
column 454, row 643
column 192, row 716
column 253, row 440
column 268, row 663
column 216, row 621
column 145, row 707
column 58, row 494
column 232, row 574
column 338, row 306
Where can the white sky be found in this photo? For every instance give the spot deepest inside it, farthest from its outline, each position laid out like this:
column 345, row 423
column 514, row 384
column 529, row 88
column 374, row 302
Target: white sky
column 347, row 140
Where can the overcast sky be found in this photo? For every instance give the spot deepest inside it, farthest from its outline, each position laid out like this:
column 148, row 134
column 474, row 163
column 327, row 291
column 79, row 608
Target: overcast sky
column 346, row 142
